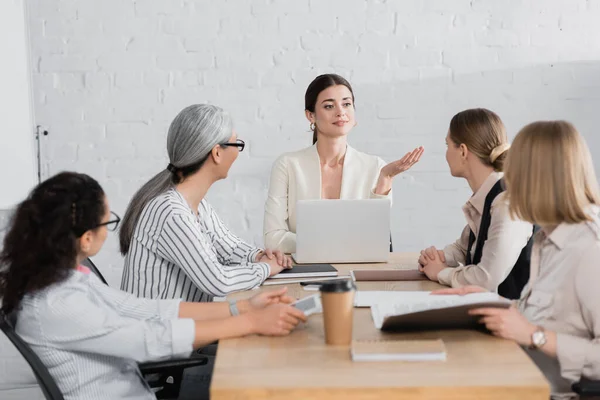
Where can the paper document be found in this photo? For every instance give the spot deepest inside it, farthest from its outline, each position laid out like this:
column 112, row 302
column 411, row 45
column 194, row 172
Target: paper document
column 384, row 309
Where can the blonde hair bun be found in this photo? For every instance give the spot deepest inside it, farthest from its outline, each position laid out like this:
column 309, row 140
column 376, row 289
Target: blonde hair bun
column 498, row 151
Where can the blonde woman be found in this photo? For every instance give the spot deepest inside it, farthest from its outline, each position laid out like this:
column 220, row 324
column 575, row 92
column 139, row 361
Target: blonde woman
column 551, row 183
column 493, row 249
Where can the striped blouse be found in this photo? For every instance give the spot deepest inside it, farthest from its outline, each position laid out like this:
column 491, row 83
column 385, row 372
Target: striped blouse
column 175, row 253
column 90, row 337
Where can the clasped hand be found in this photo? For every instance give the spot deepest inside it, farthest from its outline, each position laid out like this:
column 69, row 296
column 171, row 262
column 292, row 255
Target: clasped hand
column 432, row 262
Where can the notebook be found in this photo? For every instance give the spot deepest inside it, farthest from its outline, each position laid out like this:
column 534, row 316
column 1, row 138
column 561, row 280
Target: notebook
column 307, row 271
column 388, row 275
column 398, row 350
column 434, row 312
column 303, row 280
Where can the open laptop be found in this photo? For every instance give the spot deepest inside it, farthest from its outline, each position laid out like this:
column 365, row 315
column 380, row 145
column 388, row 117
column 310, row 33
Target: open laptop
column 342, row 231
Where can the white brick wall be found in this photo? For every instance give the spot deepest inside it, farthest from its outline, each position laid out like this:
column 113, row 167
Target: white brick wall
column 110, row 75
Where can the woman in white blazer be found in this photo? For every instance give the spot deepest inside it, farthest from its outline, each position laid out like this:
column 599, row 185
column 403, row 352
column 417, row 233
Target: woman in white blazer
column 330, row 168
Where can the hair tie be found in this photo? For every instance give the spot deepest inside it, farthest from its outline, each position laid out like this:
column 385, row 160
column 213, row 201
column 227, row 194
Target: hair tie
column 171, row 168
column 498, row 151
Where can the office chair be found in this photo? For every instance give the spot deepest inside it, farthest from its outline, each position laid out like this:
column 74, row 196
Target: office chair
column 587, row 389
column 45, row 380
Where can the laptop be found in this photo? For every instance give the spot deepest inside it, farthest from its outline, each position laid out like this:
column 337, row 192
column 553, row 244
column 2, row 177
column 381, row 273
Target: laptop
column 342, row 231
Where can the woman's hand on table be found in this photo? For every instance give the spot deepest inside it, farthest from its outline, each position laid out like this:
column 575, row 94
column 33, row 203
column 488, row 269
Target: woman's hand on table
column 269, row 297
column 277, row 260
column 275, row 319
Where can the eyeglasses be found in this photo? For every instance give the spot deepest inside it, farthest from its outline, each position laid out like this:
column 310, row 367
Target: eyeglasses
column 111, row 224
column 240, row 144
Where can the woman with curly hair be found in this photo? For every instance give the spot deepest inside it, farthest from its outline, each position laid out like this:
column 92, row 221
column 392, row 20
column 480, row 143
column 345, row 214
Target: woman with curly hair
column 90, row 336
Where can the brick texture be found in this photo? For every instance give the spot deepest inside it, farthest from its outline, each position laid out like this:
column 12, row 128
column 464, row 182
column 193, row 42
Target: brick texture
column 109, row 77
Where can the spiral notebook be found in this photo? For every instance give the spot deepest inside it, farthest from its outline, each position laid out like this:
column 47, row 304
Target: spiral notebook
column 398, row 350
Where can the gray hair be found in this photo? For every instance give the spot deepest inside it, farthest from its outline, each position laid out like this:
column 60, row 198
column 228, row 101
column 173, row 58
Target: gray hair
column 194, row 132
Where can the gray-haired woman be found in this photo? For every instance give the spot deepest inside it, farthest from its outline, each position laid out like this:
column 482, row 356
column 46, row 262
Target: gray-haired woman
column 174, row 243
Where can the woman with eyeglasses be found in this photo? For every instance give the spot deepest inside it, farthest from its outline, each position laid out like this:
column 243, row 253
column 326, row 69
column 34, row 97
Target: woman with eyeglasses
column 91, row 336
column 330, row 168
column 175, row 244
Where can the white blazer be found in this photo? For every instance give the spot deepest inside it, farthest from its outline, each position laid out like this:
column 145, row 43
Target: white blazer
column 297, row 176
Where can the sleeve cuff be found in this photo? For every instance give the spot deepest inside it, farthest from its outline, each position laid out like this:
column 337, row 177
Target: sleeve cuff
column 571, row 354
column 183, row 332
column 251, row 258
column 381, row 196
column 241, row 253
column 445, row 276
column 450, row 259
column 168, row 309
column 265, row 269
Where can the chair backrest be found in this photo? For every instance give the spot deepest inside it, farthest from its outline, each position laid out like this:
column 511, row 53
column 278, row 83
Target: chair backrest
column 45, row 380
column 89, row 263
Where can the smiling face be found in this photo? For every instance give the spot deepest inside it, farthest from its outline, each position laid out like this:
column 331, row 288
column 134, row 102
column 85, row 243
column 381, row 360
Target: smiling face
column 334, row 112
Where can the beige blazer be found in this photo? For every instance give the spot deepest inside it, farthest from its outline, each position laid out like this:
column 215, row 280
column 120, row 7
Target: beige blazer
column 297, row 176
column 506, row 238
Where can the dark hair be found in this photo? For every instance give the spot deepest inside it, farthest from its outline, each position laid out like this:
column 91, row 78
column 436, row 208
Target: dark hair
column 484, row 134
column 319, row 84
column 40, row 247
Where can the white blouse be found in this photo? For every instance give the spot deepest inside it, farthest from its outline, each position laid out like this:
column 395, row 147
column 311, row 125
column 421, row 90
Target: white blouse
column 91, row 337
column 297, row 176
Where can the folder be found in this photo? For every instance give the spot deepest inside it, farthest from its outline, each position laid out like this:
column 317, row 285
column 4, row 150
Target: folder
column 435, row 312
column 359, row 275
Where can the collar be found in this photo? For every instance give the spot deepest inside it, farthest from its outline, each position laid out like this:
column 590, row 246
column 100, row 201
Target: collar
column 83, row 270
column 561, row 234
column 182, row 200
column 478, row 198
column 349, row 152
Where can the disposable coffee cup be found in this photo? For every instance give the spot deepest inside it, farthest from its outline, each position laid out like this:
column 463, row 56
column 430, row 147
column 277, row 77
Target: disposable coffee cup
column 337, row 298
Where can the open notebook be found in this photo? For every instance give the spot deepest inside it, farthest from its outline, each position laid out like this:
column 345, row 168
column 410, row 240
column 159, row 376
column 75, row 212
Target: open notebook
column 398, row 350
column 433, row 311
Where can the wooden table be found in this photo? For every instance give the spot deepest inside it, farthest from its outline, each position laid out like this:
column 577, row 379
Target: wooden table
column 301, row 366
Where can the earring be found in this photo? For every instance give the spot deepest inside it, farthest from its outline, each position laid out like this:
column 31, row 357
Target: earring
column 312, row 126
